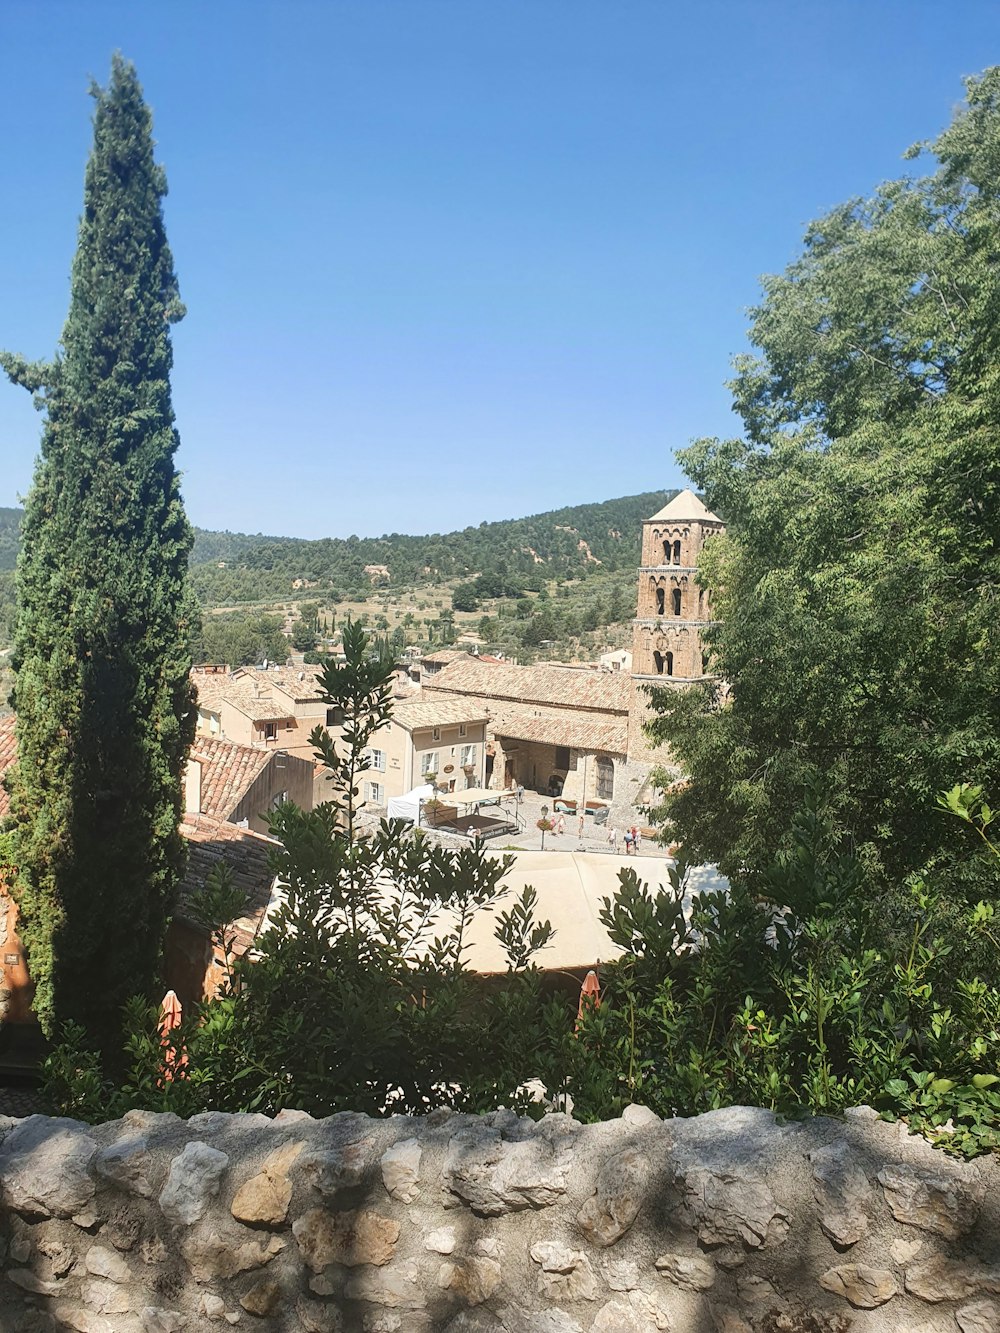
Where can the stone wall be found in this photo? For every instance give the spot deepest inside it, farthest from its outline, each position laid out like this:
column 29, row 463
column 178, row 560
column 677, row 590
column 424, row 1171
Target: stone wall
column 727, row 1223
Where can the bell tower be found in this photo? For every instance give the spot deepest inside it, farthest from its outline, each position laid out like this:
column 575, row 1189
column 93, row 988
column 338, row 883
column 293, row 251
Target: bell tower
column 672, row 610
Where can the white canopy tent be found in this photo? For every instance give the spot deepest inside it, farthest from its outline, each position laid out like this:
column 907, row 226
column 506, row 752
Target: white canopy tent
column 408, row 806
column 478, row 796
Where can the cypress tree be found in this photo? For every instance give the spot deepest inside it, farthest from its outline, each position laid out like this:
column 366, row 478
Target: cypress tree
column 103, row 696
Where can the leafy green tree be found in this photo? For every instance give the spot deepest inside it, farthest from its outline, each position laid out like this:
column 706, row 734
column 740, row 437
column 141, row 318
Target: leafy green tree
column 303, row 637
column 104, row 701
column 855, row 587
column 242, row 639
column 465, row 597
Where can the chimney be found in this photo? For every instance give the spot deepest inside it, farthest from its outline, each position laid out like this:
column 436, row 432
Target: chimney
column 192, row 787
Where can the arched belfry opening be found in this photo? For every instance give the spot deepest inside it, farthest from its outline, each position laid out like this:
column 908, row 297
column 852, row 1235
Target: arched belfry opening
column 663, row 663
column 673, row 612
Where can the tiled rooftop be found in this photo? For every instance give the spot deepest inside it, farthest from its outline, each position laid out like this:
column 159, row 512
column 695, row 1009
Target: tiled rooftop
column 8, row 753
column 562, row 687
column 228, row 771
column 579, row 731
column 426, row 712
column 445, row 655
column 247, row 854
column 299, row 683
column 256, row 703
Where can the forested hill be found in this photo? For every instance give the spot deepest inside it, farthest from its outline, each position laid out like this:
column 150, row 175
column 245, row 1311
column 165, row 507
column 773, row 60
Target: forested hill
column 558, row 544
column 232, row 566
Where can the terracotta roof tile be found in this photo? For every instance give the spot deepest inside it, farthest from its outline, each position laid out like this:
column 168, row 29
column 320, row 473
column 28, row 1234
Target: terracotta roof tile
column 228, row 771
column 8, row 753
column 563, row 687
column 253, row 701
column 685, row 508
column 211, row 841
column 580, row 731
column 425, row 712
column 300, row 684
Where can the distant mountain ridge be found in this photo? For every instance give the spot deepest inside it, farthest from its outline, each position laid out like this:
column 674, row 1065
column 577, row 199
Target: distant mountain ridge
column 559, row 543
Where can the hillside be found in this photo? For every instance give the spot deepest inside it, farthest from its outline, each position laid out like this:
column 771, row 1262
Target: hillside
column 557, row 584
column 519, row 553
column 234, row 567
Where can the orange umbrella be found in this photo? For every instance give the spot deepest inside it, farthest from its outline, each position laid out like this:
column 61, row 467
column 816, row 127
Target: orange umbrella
column 174, row 1058
column 590, row 995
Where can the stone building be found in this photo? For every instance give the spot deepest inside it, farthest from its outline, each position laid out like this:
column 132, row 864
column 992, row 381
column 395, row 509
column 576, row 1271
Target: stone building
column 672, row 612
column 560, row 730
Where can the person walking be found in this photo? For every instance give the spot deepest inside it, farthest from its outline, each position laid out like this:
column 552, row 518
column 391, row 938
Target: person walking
column 628, row 842
column 579, row 827
column 637, row 838
column 561, row 825
column 520, row 794
column 613, row 839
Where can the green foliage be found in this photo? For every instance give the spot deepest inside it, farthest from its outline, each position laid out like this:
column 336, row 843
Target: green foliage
column 855, row 585
column 359, row 997
column 10, row 537
column 242, row 639
column 807, row 993
column 103, row 695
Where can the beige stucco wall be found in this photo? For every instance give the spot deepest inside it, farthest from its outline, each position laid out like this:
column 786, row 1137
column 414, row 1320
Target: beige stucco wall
column 404, row 752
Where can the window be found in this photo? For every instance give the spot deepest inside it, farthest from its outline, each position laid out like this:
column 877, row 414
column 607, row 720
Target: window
column 461, row 728
column 377, row 759
column 334, row 717
column 278, row 799
column 658, row 662
column 270, row 731
column 375, row 792
column 661, row 601
column 436, row 734
column 429, row 762
column 605, row 778
column 666, row 553
column 677, row 553
column 468, row 756
column 675, row 598
column 562, row 756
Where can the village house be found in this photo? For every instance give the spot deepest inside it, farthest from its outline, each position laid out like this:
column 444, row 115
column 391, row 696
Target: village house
column 443, row 737
column 241, row 784
column 272, row 707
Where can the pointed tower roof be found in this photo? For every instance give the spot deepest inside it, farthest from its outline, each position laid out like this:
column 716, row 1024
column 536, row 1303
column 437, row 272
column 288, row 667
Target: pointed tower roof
column 685, row 508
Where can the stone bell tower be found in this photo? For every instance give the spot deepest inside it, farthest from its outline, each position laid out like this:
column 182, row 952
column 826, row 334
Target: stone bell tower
column 672, row 610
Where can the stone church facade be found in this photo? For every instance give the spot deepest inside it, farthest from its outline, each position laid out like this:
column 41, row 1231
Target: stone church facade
column 672, row 611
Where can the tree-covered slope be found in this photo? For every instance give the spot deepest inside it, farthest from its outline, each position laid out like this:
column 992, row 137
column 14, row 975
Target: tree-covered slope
column 233, row 566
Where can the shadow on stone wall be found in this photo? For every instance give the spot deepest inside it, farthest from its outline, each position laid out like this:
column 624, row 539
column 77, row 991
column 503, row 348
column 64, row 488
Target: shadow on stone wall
column 725, row 1223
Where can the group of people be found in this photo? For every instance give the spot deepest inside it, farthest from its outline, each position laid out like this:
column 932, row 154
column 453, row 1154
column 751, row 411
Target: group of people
column 633, row 840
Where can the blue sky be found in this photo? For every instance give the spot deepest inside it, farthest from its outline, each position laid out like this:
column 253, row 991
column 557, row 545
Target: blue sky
column 448, row 261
